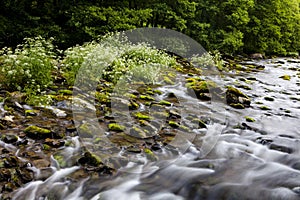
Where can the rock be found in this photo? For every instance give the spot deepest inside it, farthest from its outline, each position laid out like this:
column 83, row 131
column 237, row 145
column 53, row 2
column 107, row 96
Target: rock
column 269, row 98
column 54, row 143
column 36, row 132
column 137, row 132
column 85, row 130
column 5, row 174
column 134, row 149
column 41, row 163
column 256, row 56
column 281, row 148
column 9, row 138
column 235, row 98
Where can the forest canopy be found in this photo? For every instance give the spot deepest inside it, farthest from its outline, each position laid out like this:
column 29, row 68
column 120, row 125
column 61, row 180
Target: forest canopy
column 230, row 26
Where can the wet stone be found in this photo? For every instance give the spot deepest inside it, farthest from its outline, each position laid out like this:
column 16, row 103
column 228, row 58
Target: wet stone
column 9, row 138
column 281, row 148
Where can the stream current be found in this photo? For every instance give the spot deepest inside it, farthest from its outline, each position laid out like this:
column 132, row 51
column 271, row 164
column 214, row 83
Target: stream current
column 249, row 160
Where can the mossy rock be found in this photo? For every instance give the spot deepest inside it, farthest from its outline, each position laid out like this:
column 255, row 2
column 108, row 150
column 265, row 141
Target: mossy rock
column 137, row 132
column 116, row 127
column 37, row 132
column 60, row 159
column 92, row 159
column 139, row 115
column 150, row 155
column 31, row 112
column 174, row 124
column 168, row 80
column 131, row 96
column 249, row 119
column 157, row 107
column 85, row 130
column 9, row 138
column 237, row 105
column 146, row 98
column 264, row 108
column 236, row 99
column 165, row 103
column 133, row 105
column 269, row 98
column 160, row 115
column 286, row 77
column 201, row 88
column 65, row 91
column 184, row 128
column 102, row 97
column 158, row 92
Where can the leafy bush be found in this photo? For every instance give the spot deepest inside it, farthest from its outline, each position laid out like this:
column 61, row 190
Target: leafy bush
column 208, row 60
column 114, row 56
column 29, row 66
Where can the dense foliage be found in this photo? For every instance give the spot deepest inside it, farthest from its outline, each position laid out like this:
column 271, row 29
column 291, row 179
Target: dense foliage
column 231, row 26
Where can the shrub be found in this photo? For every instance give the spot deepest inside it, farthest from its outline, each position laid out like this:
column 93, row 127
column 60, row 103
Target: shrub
column 115, row 57
column 28, row 66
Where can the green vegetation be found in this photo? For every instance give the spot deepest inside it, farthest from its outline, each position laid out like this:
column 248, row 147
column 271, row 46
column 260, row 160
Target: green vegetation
column 116, row 127
column 232, row 26
column 249, row 119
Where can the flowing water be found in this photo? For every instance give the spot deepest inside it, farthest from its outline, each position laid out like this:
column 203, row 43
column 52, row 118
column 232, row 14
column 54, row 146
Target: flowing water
column 245, row 160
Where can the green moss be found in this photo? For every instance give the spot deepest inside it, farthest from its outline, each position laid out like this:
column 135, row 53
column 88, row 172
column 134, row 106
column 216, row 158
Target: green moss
column 46, row 147
column 184, row 128
column 168, row 80
column 142, row 116
column 157, row 92
column 133, row 105
column 60, row 159
column 131, row 96
column 116, row 127
column 146, row 98
column 258, row 102
column 160, row 114
column 148, row 151
column 165, row 103
column 286, row 77
column 237, row 105
column 264, row 108
column 67, row 92
column 137, row 132
column 249, row 119
column 85, row 130
column 36, row 130
column 31, row 112
column 102, row 97
column 93, row 159
column 150, row 155
column 174, row 124
column 235, row 91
